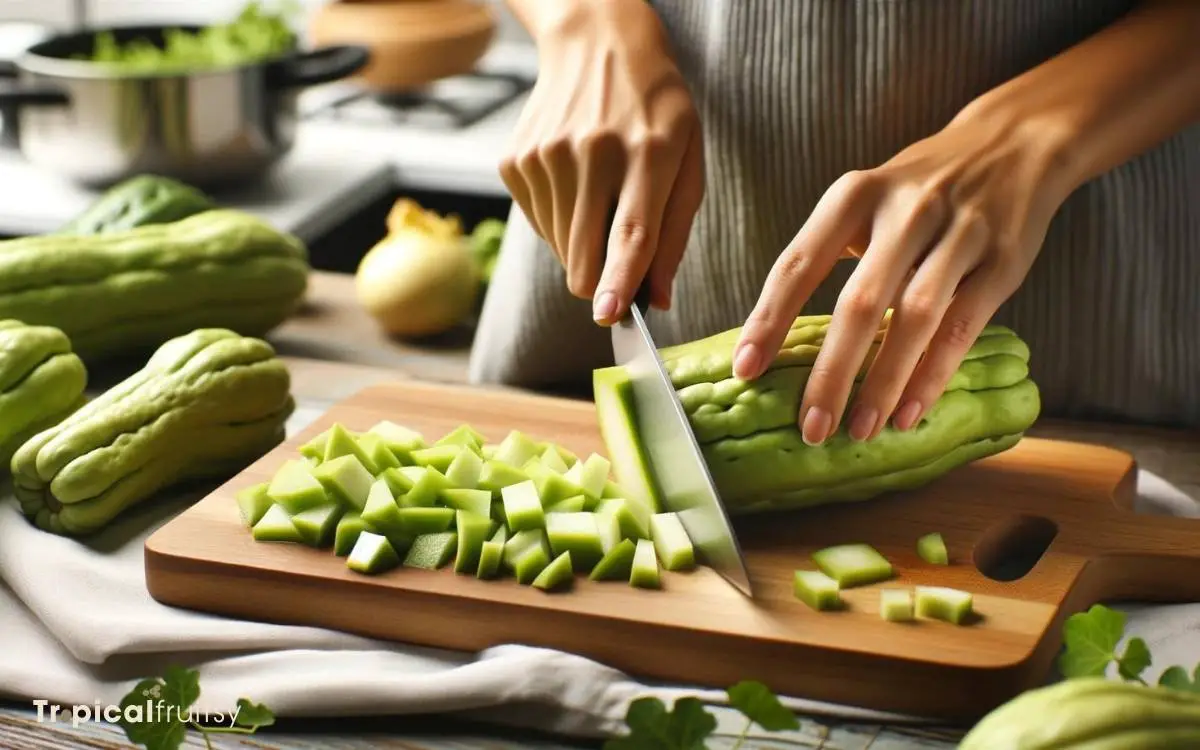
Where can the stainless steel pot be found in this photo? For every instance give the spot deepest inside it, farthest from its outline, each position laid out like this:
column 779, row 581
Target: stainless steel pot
column 208, row 128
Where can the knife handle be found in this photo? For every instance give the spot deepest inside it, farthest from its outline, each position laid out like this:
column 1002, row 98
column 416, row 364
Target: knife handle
column 641, row 298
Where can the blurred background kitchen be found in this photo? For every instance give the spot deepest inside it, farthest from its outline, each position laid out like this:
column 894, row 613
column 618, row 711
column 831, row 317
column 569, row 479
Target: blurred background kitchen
column 426, row 120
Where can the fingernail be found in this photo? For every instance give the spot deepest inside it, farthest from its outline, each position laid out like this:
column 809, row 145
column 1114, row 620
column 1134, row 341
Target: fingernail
column 604, row 307
column 816, row 426
column 745, row 363
column 907, row 415
column 862, row 422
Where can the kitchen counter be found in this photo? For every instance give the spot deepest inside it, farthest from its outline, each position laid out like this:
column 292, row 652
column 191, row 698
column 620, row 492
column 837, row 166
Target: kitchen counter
column 333, row 349
column 333, row 328
column 320, row 184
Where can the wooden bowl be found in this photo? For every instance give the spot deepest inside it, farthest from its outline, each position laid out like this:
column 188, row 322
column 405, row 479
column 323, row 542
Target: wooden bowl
column 412, row 42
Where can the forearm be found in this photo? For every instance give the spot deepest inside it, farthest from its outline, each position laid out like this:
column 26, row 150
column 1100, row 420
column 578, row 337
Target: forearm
column 545, row 19
column 539, row 15
column 1109, row 98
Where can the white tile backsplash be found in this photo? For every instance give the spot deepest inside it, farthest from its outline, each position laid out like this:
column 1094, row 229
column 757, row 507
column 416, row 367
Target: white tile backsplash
column 56, row 13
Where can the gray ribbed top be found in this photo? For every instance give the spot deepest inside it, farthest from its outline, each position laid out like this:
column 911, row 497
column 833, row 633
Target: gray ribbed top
column 792, row 94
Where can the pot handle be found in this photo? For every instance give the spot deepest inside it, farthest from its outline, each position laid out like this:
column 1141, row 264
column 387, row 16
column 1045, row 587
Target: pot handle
column 323, row 65
column 16, row 95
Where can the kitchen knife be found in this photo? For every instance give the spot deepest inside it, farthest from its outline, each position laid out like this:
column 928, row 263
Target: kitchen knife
column 684, row 483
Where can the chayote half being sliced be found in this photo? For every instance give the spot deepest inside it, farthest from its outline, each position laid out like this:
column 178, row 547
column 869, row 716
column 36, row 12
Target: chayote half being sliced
column 750, row 438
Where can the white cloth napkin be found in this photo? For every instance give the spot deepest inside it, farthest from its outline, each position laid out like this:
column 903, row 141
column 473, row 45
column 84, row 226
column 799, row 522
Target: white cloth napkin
column 78, row 628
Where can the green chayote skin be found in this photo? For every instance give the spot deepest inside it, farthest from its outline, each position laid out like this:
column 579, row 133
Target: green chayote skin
column 126, row 292
column 1091, row 713
column 137, row 202
column 41, row 382
column 749, row 435
column 205, row 405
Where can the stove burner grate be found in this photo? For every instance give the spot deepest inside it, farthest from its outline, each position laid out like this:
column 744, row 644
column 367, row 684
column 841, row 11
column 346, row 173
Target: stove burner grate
column 478, row 95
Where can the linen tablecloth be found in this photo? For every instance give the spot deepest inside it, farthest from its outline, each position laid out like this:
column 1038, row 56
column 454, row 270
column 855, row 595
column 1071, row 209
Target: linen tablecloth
column 78, row 627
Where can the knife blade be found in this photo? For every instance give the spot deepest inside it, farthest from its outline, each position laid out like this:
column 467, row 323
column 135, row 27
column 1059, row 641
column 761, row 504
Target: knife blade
column 685, row 485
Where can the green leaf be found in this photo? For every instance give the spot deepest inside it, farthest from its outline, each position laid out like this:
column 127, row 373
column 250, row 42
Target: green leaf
column 253, row 715
column 1135, row 660
column 181, row 687
column 154, row 713
column 1177, row 678
column 648, row 716
column 653, row 727
column 690, row 724
column 1090, row 640
column 758, row 704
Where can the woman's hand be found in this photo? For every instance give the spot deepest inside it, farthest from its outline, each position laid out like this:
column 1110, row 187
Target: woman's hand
column 609, row 124
column 946, row 231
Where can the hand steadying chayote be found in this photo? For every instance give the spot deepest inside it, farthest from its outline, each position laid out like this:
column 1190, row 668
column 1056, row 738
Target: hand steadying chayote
column 945, row 231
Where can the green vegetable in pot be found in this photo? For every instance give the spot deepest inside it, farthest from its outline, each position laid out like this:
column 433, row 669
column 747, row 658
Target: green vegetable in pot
column 253, row 36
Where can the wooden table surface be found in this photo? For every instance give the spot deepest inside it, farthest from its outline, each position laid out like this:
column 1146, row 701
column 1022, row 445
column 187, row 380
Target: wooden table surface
column 333, row 350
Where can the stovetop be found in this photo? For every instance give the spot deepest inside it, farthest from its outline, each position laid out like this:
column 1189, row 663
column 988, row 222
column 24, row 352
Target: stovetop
column 451, row 103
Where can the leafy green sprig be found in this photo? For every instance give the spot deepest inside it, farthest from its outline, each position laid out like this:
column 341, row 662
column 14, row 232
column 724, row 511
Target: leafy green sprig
column 161, row 707
column 1090, row 644
column 688, row 724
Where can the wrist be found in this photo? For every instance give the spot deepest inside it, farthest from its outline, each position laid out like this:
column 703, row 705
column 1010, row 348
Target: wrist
column 1046, row 134
column 545, row 19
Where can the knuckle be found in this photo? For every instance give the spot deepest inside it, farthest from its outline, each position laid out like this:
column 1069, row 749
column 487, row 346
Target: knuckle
column 790, row 265
column 974, row 223
column 509, row 173
column 822, row 373
column 764, row 319
column 929, row 207
column 1003, row 274
column 632, row 234
column 683, row 125
column 853, row 185
column 528, row 161
column 598, row 143
column 554, row 150
column 956, row 333
column 578, row 286
column 860, row 304
column 920, row 308
column 652, row 147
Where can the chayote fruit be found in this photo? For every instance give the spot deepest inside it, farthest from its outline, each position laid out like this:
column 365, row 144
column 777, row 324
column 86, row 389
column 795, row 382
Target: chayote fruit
column 41, row 382
column 205, row 405
column 126, row 292
column 1091, row 713
column 750, row 439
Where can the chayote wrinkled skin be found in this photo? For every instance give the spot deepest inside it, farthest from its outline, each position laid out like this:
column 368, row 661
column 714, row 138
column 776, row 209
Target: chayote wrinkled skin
column 205, row 405
column 41, row 382
column 1091, row 713
column 137, row 202
column 749, row 436
column 126, row 292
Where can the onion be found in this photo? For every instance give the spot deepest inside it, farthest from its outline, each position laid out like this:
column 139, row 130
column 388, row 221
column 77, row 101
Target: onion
column 421, row 279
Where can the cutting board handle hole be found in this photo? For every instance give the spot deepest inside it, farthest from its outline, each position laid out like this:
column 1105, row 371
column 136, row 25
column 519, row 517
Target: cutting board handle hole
column 1009, row 550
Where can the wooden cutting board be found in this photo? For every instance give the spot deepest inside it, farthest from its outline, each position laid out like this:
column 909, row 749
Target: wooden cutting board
column 699, row 630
